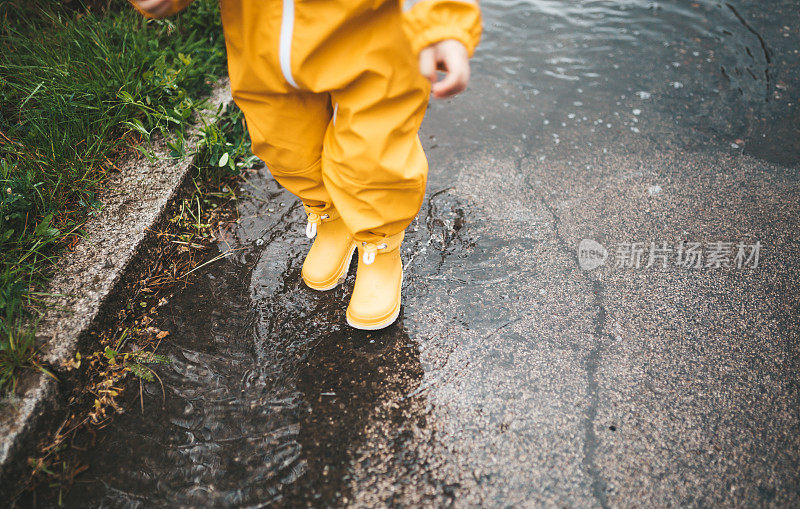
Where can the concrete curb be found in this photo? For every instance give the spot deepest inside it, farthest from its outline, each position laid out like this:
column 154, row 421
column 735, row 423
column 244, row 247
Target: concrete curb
column 86, row 277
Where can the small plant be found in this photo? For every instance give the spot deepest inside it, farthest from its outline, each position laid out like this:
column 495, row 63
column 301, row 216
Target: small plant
column 223, row 153
column 224, row 148
column 136, row 362
column 16, row 353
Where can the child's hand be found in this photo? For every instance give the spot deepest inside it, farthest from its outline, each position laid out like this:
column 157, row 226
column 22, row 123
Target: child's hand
column 155, row 8
column 451, row 57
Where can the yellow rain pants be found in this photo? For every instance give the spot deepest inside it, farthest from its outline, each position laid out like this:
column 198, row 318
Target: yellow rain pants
column 333, row 98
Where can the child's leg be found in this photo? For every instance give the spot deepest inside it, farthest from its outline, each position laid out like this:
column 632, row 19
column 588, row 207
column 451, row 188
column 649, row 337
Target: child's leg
column 375, row 170
column 287, row 130
column 373, row 164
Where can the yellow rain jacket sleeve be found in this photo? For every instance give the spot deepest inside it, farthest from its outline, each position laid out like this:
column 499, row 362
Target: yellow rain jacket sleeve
column 428, row 21
column 177, row 6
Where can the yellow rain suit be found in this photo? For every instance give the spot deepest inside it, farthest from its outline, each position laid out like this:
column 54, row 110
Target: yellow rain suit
column 333, row 98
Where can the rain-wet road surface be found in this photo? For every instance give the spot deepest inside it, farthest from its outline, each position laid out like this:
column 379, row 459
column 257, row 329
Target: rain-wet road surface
column 514, row 376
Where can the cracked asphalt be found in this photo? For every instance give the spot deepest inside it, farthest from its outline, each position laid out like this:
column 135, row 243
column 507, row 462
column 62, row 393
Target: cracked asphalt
column 515, row 377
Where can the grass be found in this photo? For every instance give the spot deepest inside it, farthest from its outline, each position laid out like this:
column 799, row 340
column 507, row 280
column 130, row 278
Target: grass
column 78, row 87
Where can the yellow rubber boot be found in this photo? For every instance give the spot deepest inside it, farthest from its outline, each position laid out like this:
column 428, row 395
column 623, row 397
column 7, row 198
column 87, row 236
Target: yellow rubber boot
column 328, row 260
column 375, row 303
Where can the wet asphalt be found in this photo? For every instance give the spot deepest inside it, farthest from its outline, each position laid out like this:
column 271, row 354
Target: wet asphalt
column 516, row 375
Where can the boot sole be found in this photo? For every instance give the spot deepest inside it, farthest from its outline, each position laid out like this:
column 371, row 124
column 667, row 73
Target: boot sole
column 339, row 278
column 383, row 323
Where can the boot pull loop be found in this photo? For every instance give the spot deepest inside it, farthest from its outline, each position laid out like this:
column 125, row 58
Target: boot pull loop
column 313, row 220
column 311, row 230
column 370, row 249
